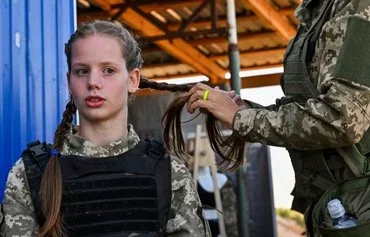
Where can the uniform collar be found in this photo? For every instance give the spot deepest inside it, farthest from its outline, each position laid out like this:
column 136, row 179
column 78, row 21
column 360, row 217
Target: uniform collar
column 76, row 145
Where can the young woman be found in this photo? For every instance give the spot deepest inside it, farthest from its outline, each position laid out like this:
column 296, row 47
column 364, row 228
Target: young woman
column 100, row 179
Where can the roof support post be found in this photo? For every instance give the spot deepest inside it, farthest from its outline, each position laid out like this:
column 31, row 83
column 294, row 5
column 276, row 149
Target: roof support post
column 234, row 65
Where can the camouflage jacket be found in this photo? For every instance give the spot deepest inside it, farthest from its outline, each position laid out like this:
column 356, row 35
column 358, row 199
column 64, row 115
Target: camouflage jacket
column 340, row 115
column 186, row 217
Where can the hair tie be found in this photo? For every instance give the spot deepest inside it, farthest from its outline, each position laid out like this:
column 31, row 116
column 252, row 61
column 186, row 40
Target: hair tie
column 54, row 152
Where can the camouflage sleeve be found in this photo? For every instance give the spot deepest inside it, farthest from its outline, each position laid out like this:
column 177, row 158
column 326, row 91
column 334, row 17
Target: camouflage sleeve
column 186, row 214
column 19, row 218
column 340, row 115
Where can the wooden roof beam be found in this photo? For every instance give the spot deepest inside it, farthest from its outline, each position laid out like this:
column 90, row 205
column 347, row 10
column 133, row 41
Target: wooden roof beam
column 162, row 6
column 178, row 48
column 264, row 9
column 222, row 21
column 162, row 65
column 241, row 37
column 259, row 81
column 244, row 55
column 247, row 82
column 170, row 4
column 249, row 56
column 90, row 16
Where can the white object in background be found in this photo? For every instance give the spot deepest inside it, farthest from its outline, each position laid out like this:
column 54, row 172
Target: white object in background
column 205, row 179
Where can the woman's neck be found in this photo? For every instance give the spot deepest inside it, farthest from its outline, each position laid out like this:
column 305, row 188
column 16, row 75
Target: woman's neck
column 102, row 134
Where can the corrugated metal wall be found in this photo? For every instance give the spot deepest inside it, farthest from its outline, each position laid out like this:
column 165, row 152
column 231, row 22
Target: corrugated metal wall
column 32, row 67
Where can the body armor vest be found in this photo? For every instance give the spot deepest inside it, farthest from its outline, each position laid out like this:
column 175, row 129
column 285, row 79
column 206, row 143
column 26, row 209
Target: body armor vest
column 316, row 171
column 116, row 196
column 296, row 79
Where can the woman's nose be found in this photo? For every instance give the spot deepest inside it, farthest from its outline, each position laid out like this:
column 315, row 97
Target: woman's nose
column 94, row 81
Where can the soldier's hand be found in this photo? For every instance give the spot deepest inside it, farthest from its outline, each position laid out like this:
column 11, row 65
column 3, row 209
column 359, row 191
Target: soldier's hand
column 237, row 99
column 222, row 104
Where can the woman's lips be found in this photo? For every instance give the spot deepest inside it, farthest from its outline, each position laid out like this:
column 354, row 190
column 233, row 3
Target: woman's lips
column 94, row 101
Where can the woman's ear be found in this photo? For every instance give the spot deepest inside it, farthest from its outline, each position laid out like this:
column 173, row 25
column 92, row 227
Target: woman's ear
column 134, row 80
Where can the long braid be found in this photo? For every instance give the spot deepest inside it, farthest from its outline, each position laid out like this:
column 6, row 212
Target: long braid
column 52, row 180
column 145, row 83
column 64, row 126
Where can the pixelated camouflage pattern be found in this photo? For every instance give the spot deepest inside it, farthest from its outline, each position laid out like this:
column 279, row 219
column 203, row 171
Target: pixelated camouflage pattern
column 20, row 219
column 186, row 213
column 340, row 115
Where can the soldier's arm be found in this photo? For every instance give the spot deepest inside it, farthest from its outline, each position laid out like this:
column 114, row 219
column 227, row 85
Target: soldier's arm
column 19, row 218
column 186, row 214
column 340, row 115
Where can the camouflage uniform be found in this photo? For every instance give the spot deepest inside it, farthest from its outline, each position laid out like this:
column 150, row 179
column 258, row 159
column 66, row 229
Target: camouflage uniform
column 186, row 216
column 339, row 116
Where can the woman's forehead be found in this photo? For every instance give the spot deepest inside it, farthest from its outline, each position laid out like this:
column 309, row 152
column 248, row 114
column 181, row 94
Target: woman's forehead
column 97, row 47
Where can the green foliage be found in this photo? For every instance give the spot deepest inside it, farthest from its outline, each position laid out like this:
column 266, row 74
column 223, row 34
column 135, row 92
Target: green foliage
column 291, row 215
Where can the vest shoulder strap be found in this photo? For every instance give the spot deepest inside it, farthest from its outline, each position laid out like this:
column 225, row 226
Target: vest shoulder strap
column 156, row 148
column 163, row 177
column 35, row 158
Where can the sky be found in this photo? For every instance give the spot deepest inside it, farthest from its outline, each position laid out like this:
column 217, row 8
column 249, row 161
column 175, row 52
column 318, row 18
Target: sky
column 282, row 170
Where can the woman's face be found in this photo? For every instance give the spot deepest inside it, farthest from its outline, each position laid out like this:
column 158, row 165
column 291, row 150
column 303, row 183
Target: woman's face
column 99, row 81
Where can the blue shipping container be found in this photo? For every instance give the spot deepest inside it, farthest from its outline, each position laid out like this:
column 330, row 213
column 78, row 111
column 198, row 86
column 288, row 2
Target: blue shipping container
column 33, row 84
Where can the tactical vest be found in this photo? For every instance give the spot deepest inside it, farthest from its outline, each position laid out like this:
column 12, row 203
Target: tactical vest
column 316, row 171
column 113, row 196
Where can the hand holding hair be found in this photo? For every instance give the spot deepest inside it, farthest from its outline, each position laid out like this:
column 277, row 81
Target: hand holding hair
column 222, row 104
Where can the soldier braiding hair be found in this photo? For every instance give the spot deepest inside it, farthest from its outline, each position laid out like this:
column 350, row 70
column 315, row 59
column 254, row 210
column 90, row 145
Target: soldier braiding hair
column 51, row 184
column 230, row 148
